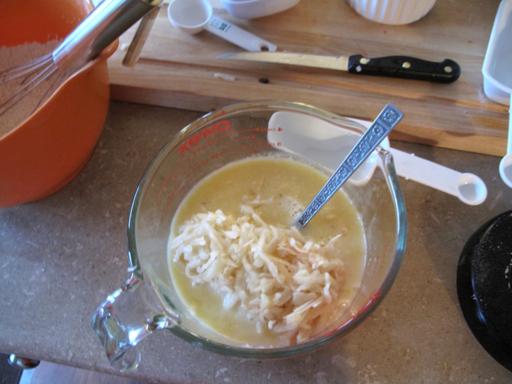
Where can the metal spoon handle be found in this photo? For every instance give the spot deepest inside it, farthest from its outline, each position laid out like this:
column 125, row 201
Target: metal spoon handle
column 388, row 118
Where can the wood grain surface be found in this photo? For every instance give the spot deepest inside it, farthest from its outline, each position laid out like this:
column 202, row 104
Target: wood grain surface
column 184, row 71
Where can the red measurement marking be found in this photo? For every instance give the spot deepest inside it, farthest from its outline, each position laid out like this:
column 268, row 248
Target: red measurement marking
column 221, row 126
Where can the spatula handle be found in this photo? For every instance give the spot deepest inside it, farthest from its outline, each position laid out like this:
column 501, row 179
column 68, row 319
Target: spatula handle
column 405, row 67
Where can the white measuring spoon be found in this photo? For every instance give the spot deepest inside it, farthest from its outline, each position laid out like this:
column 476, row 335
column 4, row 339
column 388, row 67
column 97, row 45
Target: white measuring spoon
column 192, row 16
column 327, row 144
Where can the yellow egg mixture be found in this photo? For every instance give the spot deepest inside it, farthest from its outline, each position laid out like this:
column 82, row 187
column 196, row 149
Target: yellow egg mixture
column 269, row 193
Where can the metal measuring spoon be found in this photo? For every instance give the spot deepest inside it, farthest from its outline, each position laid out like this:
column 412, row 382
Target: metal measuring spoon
column 387, row 119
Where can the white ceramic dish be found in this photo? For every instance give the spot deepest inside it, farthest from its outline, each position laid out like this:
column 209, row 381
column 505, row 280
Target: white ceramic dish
column 393, row 12
column 250, row 9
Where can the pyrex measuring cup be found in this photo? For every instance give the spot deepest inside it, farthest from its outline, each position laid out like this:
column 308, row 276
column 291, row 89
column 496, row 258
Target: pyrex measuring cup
column 148, row 301
column 192, row 16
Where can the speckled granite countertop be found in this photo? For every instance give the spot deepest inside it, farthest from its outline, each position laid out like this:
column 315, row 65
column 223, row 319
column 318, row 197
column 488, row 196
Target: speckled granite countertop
column 60, row 257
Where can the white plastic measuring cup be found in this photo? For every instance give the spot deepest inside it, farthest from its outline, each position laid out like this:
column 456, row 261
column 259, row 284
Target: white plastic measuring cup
column 497, row 75
column 192, row 16
column 324, row 143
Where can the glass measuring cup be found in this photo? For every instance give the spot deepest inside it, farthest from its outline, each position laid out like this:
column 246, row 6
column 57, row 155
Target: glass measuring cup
column 148, row 301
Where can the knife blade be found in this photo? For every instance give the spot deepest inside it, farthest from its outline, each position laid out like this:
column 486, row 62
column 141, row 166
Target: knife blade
column 404, row 67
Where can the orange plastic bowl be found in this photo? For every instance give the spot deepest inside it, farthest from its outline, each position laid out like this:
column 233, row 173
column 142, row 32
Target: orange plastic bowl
column 49, row 148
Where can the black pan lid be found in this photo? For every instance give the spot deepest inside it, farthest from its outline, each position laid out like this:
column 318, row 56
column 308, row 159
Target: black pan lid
column 484, row 286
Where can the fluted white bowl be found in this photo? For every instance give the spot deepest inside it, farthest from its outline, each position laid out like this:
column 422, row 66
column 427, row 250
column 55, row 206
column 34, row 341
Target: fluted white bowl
column 394, row 12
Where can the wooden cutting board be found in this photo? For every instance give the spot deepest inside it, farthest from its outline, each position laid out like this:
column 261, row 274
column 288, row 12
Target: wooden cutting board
column 183, row 71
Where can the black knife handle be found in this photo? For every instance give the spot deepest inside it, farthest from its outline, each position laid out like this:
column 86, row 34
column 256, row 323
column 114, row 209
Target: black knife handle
column 405, row 67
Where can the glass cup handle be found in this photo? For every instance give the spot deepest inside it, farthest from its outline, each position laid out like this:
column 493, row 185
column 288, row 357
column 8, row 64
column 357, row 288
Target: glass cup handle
column 126, row 317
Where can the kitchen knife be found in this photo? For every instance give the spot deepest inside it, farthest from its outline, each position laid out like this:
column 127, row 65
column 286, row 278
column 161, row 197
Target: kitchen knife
column 404, row 67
